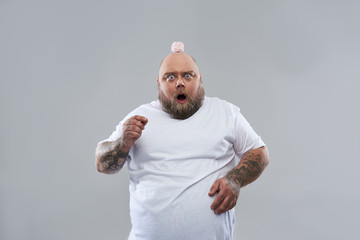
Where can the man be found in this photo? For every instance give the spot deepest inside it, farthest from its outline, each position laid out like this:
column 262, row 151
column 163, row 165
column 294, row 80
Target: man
column 180, row 151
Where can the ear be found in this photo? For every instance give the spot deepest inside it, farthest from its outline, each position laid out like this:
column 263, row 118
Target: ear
column 200, row 77
column 158, row 83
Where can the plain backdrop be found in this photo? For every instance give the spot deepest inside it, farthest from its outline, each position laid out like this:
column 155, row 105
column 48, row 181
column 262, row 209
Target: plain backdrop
column 71, row 70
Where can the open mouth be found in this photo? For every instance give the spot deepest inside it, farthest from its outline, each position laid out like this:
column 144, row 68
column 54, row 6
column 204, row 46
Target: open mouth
column 181, row 97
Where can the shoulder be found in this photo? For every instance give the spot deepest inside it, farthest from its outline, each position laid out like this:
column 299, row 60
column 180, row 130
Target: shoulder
column 215, row 102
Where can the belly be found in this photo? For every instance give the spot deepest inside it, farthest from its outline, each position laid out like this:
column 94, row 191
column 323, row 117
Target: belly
column 180, row 215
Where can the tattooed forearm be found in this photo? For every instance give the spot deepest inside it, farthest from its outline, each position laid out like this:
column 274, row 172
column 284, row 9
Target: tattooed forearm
column 250, row 167
column 109, row 157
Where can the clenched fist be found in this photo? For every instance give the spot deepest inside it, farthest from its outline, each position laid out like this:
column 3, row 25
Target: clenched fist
column 132, row 129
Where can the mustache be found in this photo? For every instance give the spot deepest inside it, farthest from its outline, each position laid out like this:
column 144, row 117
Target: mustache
column 181, row 91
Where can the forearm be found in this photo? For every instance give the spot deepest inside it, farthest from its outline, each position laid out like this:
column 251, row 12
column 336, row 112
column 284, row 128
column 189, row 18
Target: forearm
column 111, row 156
column 250, row 167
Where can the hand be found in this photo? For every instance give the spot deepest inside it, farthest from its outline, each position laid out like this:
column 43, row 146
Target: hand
column 132, row 129
column 228, row 193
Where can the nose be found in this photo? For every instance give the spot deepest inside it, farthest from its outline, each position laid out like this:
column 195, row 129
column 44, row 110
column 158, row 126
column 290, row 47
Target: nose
column 180, row 83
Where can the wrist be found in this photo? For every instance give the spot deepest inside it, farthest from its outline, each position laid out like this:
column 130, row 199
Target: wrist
column 233, row 184
column 234, row 180
column 123, row 150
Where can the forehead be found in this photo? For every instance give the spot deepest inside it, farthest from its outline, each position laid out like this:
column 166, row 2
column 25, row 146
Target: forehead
column 178, row 62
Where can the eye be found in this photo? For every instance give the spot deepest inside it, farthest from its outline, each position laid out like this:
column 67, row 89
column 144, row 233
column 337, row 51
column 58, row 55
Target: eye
column 170, row 78
column 188, row 75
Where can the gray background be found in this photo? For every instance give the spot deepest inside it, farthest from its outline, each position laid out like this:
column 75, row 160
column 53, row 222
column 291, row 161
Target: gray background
column 70, row 70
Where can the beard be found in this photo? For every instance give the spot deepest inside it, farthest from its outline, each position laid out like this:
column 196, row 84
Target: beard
column 182, row 111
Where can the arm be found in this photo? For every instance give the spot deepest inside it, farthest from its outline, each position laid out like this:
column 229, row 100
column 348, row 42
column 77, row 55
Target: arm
column 250, row 167
column 111, row 156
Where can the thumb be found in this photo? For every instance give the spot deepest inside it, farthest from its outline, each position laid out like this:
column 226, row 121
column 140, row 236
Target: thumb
column 214, row 188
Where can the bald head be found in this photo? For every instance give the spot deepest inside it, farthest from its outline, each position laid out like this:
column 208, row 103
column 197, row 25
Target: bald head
column 178, row 62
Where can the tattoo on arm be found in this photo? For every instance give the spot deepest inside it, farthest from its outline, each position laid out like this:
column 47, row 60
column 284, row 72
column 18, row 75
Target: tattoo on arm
column 110, row 157
column 248, row 170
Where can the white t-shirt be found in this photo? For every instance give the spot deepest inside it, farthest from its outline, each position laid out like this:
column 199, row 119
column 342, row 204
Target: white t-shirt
column 173, row 165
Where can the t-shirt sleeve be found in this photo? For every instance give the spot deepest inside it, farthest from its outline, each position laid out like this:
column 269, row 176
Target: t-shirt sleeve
column 245, row 136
